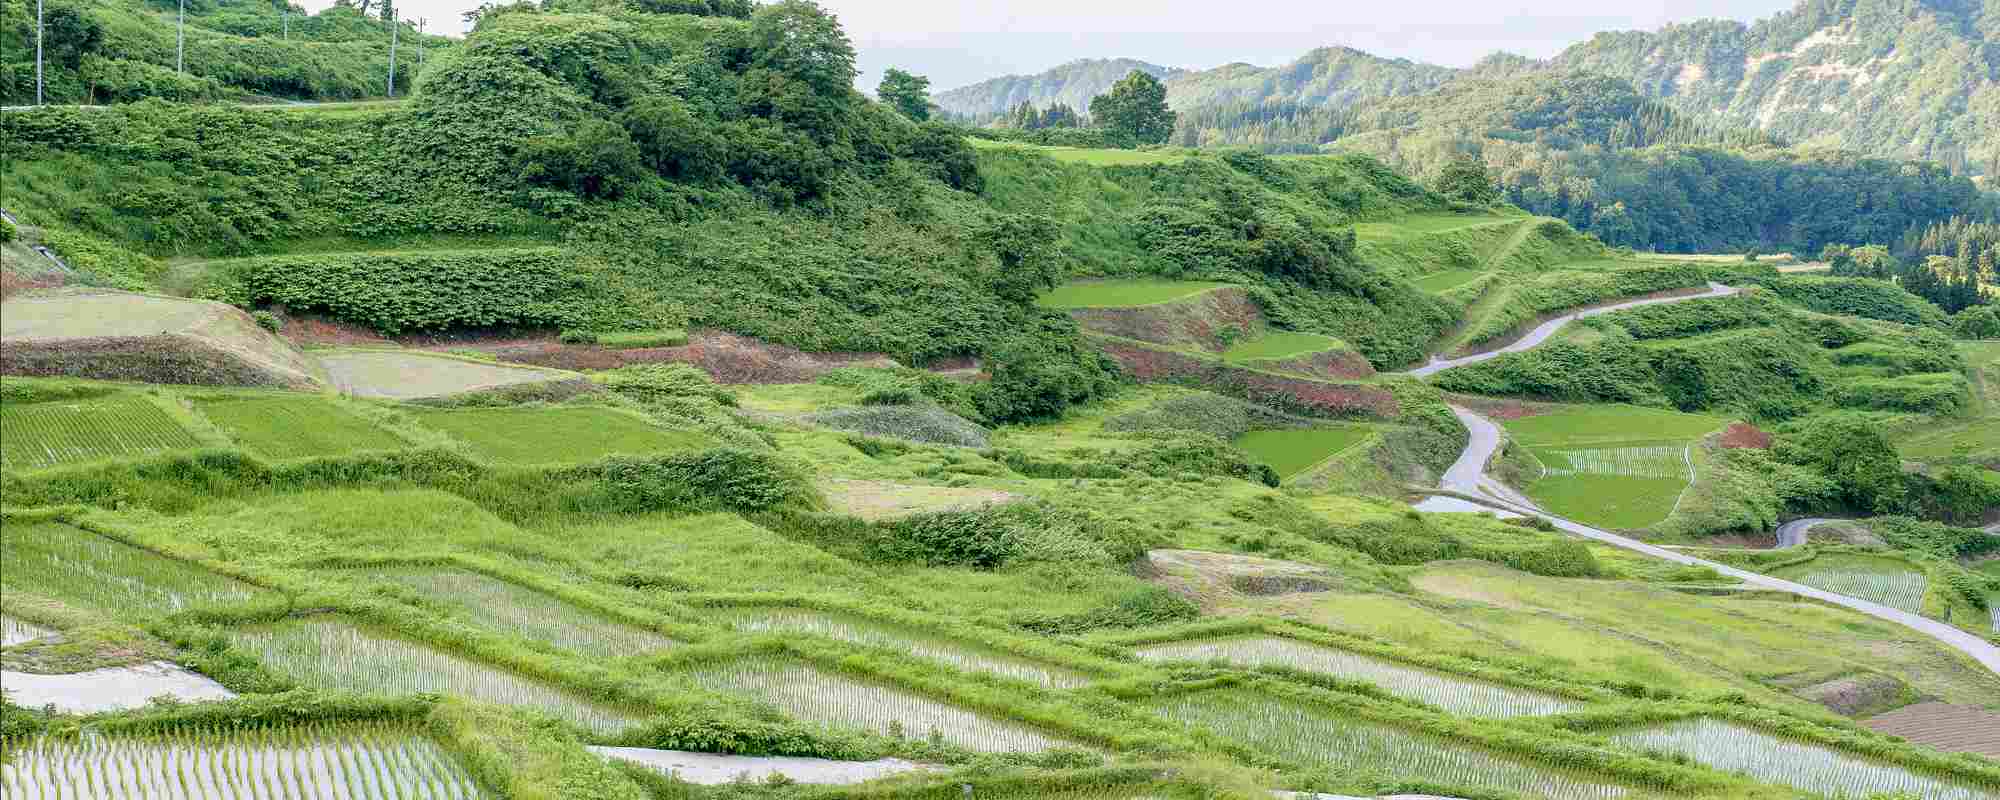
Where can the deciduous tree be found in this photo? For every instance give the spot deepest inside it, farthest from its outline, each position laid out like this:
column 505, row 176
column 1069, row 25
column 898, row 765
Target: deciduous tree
column 1135, row 107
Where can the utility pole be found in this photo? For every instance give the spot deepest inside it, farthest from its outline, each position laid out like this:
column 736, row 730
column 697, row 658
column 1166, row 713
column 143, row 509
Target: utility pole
column 180, row 42
column 394, row 27
column 38, row 52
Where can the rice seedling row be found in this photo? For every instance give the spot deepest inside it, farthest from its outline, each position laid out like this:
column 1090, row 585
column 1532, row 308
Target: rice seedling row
column 37, row 435
column 296, row 427
column 376, row 761
column 329, row 654
column 1733, row 748
column 1651, row 461
column 507, row 608
column 1296, row 732
column 849, row 628
column 1453, row 694
column 92, row 571
column 14, row 631
column 813, row 696
column 1901, row 589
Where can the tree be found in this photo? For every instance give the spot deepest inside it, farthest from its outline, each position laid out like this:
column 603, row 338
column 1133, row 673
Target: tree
column 1853, row 452
column 599, row 161
column 801, row 41
column 69, row 35
column 910, row 94
column 1135, row 107
column 1031, row 256
column 1465, row 179
column 1061, row 115
column 1025, row 117
column 672, row 141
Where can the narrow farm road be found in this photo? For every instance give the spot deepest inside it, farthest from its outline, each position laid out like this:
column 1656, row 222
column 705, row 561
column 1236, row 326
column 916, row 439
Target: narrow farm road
column 1793, row 534
column 1468, row 476
column 1542, row 332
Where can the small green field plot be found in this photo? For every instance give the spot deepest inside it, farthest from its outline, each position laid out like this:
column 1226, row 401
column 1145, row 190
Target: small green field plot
column 1298, row 733
column 1622, row 467
column 851, row 628
column 1422, row 224
column 1439, row 282
column 363, row 761
column 295, row 427
column 556, row 435
column 817, row 697
column 510, row 609
column 1828, row 773
column 1281, row 345
column 40, row 435
column 1454, row 694
column 1879, row 580
column 1291, row 452
column 1092, row 156
column 332, row 655
column 405, row 376
column 93, row 572
column 1123, row 293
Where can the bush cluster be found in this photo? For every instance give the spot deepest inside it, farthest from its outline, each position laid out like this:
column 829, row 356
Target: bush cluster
column 1213, row 414
column 926, row 424
column 397, row 292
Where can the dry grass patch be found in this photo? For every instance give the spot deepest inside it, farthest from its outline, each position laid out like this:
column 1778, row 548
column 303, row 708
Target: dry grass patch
column 396, row 375
column 880, row 500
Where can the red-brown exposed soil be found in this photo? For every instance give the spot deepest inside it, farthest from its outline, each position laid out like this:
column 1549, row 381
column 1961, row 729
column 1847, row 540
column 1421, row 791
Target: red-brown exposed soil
column 1198, row 322
column 1297, row 395
column 1744, row 436
column 1500, row 408
column 727, row 357
column 1333, row 364
column 12, row 283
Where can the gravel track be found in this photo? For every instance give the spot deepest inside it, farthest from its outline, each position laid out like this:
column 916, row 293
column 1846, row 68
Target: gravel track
column 1542, row 332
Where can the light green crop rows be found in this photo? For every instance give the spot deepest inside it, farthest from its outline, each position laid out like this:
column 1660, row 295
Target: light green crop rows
column 1733, row 748
column 1453, row 694
column 326, row 654
column 814, row 696
column 1640, row 461
column 350, row 762
column 1297, row 733
column 296, row 427
column 507, row 608
column 1903, row 589
column 37, row 435
column 854, row 629
column 90, row 571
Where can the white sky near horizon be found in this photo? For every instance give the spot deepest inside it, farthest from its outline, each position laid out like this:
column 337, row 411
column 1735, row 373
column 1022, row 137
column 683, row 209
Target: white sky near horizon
column 959, row 42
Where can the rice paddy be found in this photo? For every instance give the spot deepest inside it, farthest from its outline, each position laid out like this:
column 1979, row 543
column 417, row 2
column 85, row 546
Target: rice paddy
column 402, row 376
column 1453, row 694
column 1643, row 461
column 510, row 609
column 374, row 761
column 850, row 628
column 1291, row 452
column 1890, row 583
column 41, row 435
column 1279, row 345
column 94, row 572
column 556, row 435
column 1295, row 732
column 296, row 427
column 1734, row 748
column 817, row 697
column 328, row 654
column 1619, row 467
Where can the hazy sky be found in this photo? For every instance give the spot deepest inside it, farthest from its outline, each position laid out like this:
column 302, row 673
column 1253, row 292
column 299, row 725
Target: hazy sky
column 956, row 42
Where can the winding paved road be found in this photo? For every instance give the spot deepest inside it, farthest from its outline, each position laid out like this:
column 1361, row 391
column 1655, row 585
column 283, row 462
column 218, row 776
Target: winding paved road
column 1793, row 534
column 1542, row 332
column 1468, row 476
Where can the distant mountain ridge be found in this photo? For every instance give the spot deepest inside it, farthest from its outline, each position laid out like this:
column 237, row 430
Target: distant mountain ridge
column 1073, row 83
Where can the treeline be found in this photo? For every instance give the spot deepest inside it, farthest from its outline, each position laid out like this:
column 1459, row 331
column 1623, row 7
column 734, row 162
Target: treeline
column 1952, row 284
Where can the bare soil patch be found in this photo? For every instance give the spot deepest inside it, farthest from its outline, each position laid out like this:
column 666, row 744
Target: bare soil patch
column 880, row 500
column 1208, row 321
column 90, row 333
column 1214, row 578
column 728, row 357
column 1857, row 695
column 1952, row 728
column 1745, row 436
column 1502, row 409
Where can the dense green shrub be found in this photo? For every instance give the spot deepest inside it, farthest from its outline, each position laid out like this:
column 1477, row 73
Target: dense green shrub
column 395, row 292
column 7, row 232
column 1042, row 370
column 926, row 424
column 1940, row 394
column 1935, row 538
column 1977, row 322
column 1213, row 414
column 649, row 383
column 1861, row 297
column 1851, row 451
column 729, row 478
column 1141, row 608
column 904, row 386
column 101, row 262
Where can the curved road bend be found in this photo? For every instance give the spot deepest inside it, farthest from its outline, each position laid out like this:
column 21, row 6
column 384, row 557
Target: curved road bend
column 1542, row 332
column 1793, row 534
column 1468, row 476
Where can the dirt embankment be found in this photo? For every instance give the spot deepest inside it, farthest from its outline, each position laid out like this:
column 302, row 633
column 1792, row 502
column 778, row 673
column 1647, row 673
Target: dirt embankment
column 1330, row 364
column 1208, row 321
column 134, row 337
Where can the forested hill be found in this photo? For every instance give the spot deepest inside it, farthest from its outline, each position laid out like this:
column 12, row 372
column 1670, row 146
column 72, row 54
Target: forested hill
column 1071, row 84
column 1895, row 78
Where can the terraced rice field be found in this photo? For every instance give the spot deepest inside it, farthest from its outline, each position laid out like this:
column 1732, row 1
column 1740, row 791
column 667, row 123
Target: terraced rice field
column 14, row 631
column 1123, row 293
column 404, row 376
column 817, row 697
column 97, row 573
column 1890, row 583
column 1943, row 726
column 296, row 427
column 1642, row 461
column 1734, row 748
column 348, row 762
column 1619, row 467
column 849, row 628
column 1357, row 749
column 329, row 654
column 1279, row 345
column 40, row 435
column 556, row 435
column 1454, row 694
column 1291, row 452
column 506, row 608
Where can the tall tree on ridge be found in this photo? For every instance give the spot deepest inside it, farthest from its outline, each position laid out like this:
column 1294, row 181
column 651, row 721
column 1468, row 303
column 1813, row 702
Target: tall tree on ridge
column 1136, row 107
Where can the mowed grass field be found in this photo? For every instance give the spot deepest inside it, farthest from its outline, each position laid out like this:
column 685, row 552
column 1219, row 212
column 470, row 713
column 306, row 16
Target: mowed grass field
column 1096, row 157
column 1280, row 345
column 1123, row 293
column 1291, row 452
column 1447, row 280
column 295, row 427
column 1621, row 467
column 556, row 435
column 55, row 433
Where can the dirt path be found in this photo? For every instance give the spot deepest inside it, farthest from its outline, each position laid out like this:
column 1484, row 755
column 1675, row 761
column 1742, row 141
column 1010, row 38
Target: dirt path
column 1468, row 476
column 1544, row 331
column 1793, row 534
